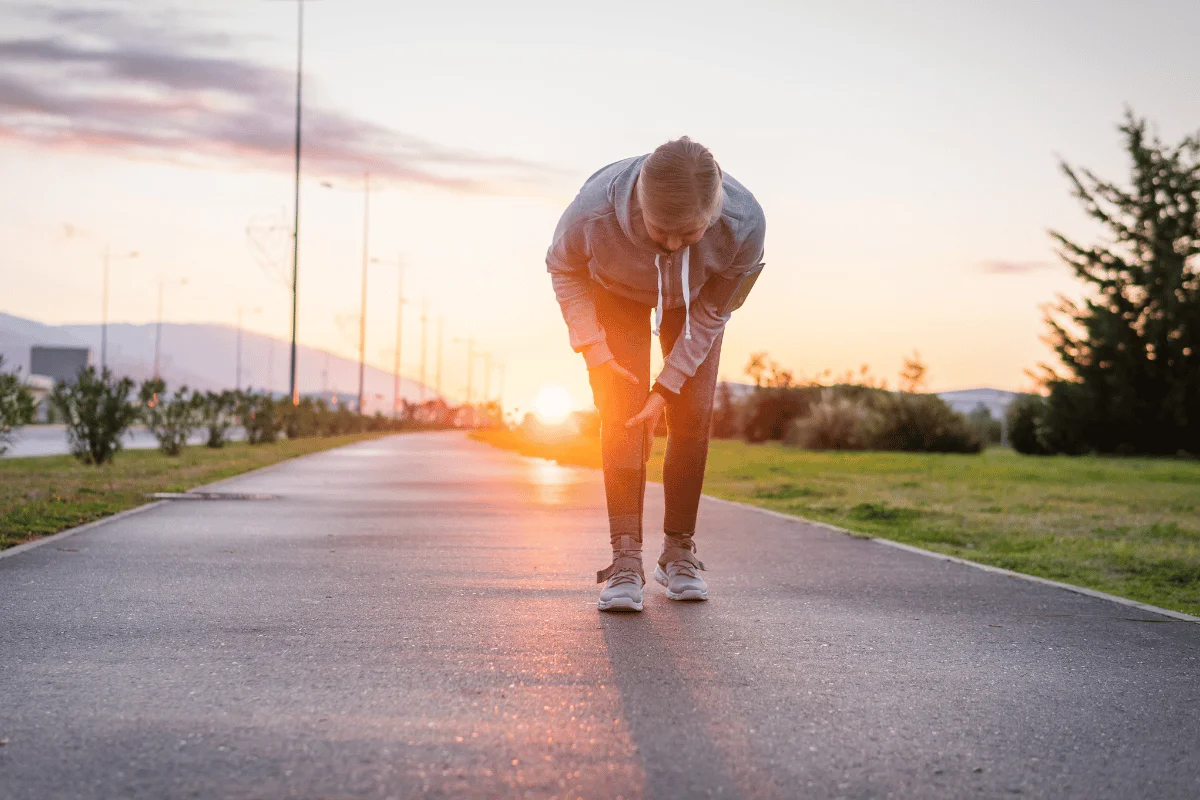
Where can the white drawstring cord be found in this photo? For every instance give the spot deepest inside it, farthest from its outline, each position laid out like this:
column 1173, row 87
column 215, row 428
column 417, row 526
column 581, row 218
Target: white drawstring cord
column 687, row 294
column 658, row 309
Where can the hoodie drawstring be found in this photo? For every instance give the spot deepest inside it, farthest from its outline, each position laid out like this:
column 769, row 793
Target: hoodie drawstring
column 658, row 309
column 687, row 294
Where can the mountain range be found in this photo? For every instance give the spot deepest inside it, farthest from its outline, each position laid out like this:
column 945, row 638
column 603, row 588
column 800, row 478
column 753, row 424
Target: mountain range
column 204, row 356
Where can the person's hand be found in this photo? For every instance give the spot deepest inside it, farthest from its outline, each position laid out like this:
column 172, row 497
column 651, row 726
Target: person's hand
column 650, row 413
column 615, row 370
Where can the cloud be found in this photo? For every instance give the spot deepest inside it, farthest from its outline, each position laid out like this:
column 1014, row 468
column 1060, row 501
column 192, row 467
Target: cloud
column 103, row 81
column 998, row 267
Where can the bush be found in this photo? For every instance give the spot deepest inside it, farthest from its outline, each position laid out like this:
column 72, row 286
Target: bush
column 769, row 411
column 259, row 415
column 834, row 423
column 97, row 412
column 1026, row 417
column 304, row 419
column 919, row 423
column 16, row 405
column 217, row 415
column 171, row 418
column 987, row 427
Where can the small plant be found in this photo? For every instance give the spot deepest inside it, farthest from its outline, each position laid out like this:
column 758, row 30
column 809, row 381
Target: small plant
column 1026, row 417
column 259, row 415
column 986, row 426
column 217, row 416
column 920, row 423
column 170, row 417
column 97, row 412
column 833, row 423
column 16, row 405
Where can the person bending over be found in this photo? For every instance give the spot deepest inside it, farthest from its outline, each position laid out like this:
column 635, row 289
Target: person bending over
column 665, row 243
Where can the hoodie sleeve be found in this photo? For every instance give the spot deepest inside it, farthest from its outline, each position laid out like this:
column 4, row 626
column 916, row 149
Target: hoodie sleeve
column 707, row 323
column 567, row 263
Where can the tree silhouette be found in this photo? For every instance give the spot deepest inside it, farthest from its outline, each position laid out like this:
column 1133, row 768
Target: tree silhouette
column 1130, row 350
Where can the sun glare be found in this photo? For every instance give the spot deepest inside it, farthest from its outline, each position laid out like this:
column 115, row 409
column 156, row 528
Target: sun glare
column 552, row 404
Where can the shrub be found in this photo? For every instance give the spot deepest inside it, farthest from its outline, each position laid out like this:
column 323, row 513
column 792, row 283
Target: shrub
column 833, row 423
column 16, row 405
column 259, row 415
column 769, row 411
column 303, row 419
column 1026, row 416
column 217, row 415
column 987, row 427
column 919, row 423
column 170, row 417
column 97, row 412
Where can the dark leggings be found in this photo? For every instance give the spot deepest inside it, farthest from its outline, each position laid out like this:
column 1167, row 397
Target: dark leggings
column 625, row 450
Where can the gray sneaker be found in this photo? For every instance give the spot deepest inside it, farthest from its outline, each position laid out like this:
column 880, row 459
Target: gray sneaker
column 626, row 580
column 677, row 570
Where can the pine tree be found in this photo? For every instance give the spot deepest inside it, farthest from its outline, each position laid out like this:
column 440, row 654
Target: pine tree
column 1131, row 347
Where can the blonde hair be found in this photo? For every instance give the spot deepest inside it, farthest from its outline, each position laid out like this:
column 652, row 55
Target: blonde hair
column 680, row 185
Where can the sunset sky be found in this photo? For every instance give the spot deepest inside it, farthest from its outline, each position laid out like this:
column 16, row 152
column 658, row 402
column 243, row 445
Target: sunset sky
column 905, row 154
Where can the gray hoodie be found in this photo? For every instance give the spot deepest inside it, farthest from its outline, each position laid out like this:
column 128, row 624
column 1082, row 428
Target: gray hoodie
column 601, row 239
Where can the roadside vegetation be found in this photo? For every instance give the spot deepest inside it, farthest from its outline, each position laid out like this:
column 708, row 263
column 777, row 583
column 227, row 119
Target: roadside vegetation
column 44, row 495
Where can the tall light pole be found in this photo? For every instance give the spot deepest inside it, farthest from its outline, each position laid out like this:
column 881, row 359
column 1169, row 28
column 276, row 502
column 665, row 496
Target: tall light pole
column 470, row 343
column 104, row 307
column 487, row 378
column 500, row 393
column 362, row 317
column 400, row 300
column 238, row 382
column 424, row 348
column 366, row 259
column 296, row 217
column 158, row 327
column 437, row 385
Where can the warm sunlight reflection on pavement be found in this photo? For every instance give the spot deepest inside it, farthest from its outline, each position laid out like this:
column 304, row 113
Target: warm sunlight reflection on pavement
column 549, row 481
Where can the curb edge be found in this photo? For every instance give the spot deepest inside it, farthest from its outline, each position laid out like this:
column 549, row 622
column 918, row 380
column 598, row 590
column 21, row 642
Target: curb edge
column 1070, row 587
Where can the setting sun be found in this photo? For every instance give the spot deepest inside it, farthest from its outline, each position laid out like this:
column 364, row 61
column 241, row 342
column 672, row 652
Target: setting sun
column 552, row 404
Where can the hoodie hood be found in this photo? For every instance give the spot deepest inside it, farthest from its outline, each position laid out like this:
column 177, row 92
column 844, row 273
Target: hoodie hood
column 622, row 195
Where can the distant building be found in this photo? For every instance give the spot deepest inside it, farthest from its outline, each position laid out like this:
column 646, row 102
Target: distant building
column 58, row 363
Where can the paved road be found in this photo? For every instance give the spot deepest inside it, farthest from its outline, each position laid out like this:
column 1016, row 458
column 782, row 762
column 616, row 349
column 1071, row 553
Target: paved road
column 413, row 616
column 51, row 440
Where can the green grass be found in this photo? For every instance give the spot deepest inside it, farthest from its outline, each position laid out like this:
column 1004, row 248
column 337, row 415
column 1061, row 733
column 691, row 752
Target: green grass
column 1128, row 526
column 40, row 496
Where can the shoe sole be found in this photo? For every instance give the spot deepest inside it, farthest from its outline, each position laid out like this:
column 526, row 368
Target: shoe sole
column 620, row 604
column 690, row 594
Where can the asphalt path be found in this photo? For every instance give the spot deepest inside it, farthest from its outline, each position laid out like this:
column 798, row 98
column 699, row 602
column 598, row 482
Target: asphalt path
column 51, row 440
column 414, row 616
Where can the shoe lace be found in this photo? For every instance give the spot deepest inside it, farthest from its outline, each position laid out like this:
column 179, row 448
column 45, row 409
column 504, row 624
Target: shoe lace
column 625, row 577
column 685, row 568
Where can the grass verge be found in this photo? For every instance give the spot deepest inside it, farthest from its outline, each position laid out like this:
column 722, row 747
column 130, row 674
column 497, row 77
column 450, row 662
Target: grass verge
column 1126, row 526
column 43, row 495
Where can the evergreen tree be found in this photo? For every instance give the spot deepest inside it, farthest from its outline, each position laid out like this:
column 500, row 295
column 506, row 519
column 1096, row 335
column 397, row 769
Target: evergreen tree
column 1131, row 347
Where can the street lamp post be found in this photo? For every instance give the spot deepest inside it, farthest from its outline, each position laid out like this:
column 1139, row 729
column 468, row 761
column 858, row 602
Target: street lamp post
column 424, row 348
column 158, row 326
column 366, row 259
column 437, row 386
column 400, row 301
column 362, row 317
column 470, row 343
column 238, row 381
column 296, row 218
column 104, row 307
